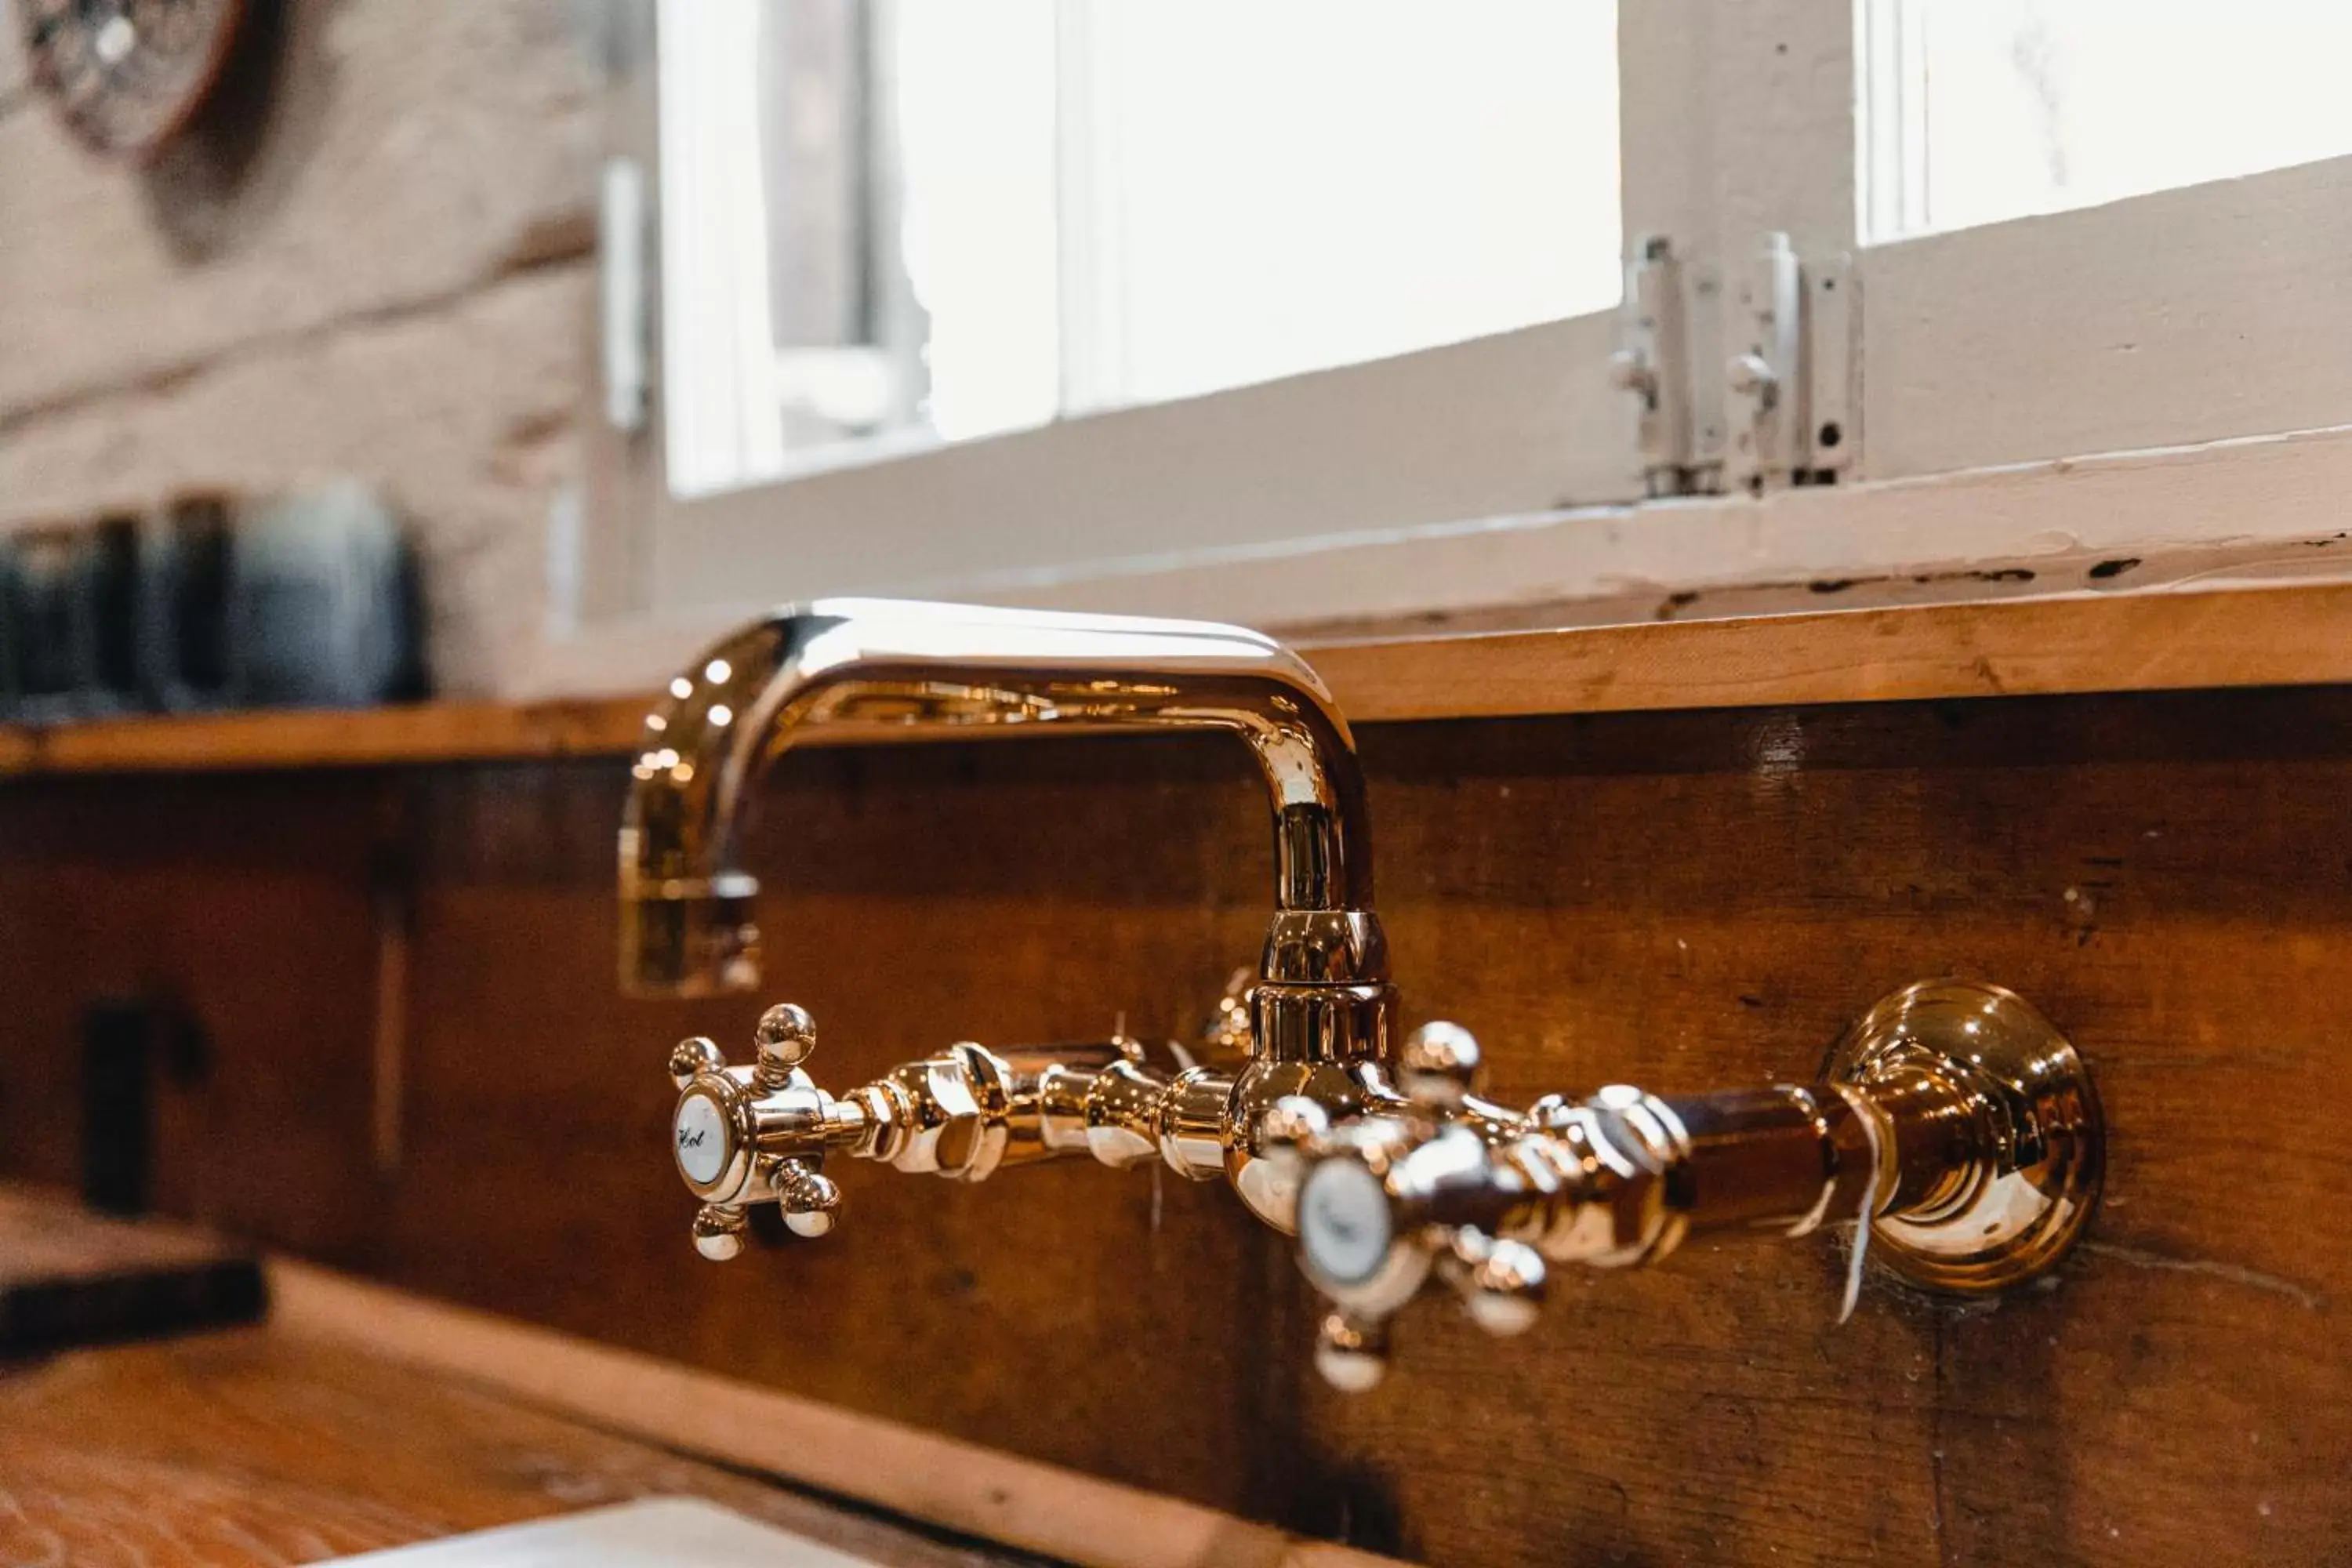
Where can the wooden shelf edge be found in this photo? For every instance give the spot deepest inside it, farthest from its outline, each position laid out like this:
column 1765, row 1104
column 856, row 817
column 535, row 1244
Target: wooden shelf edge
column 2168, row 641
column 1023, row 1503
column 310, row 738
column 2294, row 636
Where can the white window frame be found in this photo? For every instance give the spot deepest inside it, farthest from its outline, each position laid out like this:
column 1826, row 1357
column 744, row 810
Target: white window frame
column 1499, row 476
column 2194, row 315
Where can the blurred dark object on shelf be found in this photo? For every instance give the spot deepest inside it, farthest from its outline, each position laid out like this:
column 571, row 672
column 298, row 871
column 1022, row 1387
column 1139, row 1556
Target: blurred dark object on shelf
column 184, row 587
column 69, row 621
column 322, row 603
column 210, row 601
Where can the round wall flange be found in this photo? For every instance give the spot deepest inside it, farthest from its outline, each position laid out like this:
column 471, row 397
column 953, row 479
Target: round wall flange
column 2018, row 1203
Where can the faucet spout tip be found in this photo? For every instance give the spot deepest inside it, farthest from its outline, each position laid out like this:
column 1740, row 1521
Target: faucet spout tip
column 690, row 939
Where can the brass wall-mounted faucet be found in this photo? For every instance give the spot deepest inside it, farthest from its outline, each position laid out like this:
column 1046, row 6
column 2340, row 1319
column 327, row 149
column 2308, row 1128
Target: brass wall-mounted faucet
column 1958, row 1119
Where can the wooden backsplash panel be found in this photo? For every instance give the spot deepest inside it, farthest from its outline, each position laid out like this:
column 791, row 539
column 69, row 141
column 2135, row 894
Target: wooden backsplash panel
column 248, row 905
column 998, row 893
column 1684, row 900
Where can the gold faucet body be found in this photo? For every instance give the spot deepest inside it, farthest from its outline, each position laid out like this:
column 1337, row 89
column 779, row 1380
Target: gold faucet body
column 1956, row 1126
column 1321, row 1004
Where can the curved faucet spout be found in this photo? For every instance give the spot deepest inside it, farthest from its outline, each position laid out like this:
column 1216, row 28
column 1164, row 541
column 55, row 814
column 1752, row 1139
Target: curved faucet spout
column 880, row 664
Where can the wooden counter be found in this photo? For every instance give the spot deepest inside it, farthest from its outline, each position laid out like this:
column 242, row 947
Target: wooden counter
column 257, row 1446
column 361, row 1418
column 963, row 1488
column 2146, row 642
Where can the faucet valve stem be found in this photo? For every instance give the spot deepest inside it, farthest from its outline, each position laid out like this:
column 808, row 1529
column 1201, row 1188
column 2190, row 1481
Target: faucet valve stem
column 1954, row 1121
column 745, row 1135
column 761, row 1132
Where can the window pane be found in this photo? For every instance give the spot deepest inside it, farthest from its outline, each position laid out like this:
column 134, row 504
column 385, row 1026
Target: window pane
column 1978, row 111
column 1284, row 187
column 896, row 221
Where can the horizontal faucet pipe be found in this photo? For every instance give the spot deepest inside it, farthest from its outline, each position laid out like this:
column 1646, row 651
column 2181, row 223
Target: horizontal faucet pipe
column 879, row 664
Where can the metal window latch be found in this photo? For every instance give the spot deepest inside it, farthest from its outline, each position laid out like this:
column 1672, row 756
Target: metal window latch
column 1788, row 370
column 1653, row 365
column 1785, row 411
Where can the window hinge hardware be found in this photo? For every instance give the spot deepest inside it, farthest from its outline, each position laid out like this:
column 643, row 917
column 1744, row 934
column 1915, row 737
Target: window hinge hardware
column 624, row 279
column 1653, row 365
column 1833, row 317
column 1788, row 369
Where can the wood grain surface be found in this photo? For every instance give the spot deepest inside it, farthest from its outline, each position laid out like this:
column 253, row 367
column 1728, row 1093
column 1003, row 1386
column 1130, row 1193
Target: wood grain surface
column 1681, row 899
column 984, row 1492
column 248, row 1448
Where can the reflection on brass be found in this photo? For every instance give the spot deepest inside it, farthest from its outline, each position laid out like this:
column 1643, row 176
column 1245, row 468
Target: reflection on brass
column 1995, row 1133
column 1954, row 1114
column 1957, row 1114
column 1321, row 1003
